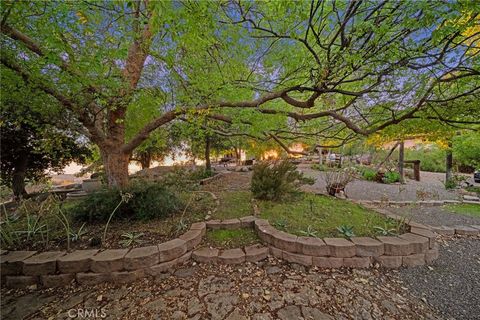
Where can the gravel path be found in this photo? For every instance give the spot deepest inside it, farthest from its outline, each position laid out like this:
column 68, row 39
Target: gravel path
column 435, row 216
column 452, row 284
column 430, row 188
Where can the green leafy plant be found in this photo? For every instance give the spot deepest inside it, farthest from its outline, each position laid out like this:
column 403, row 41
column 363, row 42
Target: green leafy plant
column 369, row 174
column 391, row 177
column 8, row 235
column 33, row 227
column 150, row 200
column 65, row 221
column 281, row 224
column 75, row 236
column 385, row 230
column 346, row 231
column 125, row 198
column 309, row 232
column 181, row 226
column 276, row 180
column 131, row 238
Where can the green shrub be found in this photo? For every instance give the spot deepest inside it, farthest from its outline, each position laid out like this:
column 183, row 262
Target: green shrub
column 149, row 200
column 275, row 180
column 369, row 174
column 432, row 159
column 391, row 177
column 319, row 167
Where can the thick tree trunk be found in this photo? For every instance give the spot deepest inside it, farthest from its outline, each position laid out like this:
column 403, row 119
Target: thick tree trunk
column 18, row 179
column 208, row 164
column 115, row 163
column 448, row 164
column 401, row 156
column 145, row 160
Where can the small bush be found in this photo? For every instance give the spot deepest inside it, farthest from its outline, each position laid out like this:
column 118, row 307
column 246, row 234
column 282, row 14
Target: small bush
column 369, row 174
column 149, row 200
column 337, row 179
column 391, row 177
column 275, row 180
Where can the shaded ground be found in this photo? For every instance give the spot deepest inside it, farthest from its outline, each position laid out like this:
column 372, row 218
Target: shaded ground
column 452, row 284
column 436, row 216
column 272, row 290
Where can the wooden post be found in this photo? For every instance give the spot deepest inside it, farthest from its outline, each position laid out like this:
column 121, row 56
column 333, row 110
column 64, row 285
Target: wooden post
column 401, row 154
column 416, row 170
column 448, row 163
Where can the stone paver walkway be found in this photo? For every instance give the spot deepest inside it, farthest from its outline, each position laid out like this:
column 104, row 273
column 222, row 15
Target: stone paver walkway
column 272, row 290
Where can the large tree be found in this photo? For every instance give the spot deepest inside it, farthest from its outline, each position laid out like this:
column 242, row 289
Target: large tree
column 332, row 68
column 35, row 138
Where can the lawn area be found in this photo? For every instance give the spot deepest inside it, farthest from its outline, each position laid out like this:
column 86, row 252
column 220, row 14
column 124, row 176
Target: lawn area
column 228, row 239
column 315, row 215
column 234, row 204
column 309, row 215
column 465, row 209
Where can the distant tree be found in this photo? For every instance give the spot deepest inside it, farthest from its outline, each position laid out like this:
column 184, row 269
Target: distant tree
column 34, row 142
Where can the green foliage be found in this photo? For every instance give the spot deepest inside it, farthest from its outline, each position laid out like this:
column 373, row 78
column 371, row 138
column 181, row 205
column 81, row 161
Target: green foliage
column 455, row 181
column 281, row 224
column 466, row 149
column 77, row 235
column 465, row 209
column 276, row 180
column 346, row 231
column 385, row 230
column 391, row 177
column 431, row 158
column 181, row 226
column 33, row 139
column 130, row 239
column 231, row 238
column 233, row 205
column 368, row 174
column 8, row 234
column 319, row 167
column 309, row 232
column 328, row 213
column 149, row 200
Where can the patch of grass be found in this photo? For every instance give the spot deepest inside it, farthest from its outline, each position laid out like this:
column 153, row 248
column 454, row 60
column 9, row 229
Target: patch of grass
column 323, row 215
column 231, row 238
column 233, row 205
column 473, row 189
column 465, row 208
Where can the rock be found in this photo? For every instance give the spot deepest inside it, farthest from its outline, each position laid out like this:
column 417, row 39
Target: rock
column 214, row 284
column 194, row 306
column 179, row 315
column 185, row 272
column 273, row 270
column 262, row 316
column 236, row 315
column 218, row 306
column 289, row 313
column 315, row 314
column 390, row 307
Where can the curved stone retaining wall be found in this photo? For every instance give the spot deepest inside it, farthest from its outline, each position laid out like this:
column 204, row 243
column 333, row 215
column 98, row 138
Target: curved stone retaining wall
column 50, row 269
